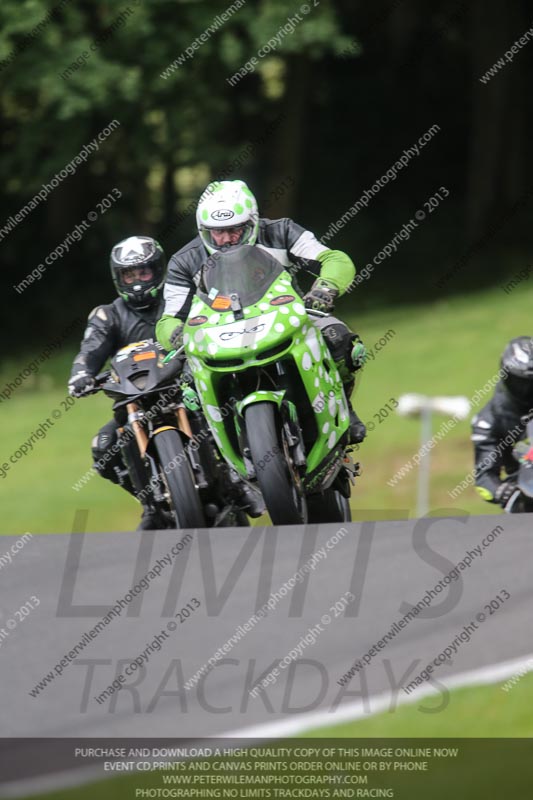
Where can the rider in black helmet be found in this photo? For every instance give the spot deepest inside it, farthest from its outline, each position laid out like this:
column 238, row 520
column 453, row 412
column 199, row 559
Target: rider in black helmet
column 501, row 424
column 138, row 269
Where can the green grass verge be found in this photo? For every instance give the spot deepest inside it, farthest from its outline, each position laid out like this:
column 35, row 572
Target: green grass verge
column 479, row 712
column 447, row 347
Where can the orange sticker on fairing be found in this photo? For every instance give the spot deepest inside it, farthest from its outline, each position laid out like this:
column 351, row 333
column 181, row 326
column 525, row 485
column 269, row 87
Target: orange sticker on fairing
column 144, row 356
column 221, row 303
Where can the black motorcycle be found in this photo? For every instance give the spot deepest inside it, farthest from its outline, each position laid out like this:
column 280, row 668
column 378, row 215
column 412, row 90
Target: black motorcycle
column 522, row 500
column 168, row 452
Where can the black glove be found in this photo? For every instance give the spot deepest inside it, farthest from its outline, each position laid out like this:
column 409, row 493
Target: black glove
column 505, row 492
column 176, row 337
column 80, row 384
column 321, row 297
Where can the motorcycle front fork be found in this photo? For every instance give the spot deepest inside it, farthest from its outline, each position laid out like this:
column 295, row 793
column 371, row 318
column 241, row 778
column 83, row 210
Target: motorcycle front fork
column 143, row 472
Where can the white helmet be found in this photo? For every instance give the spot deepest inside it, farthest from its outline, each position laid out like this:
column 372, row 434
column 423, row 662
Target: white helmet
column 227, row 204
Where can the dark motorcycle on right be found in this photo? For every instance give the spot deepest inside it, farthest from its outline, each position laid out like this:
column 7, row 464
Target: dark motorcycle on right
column 522, row 500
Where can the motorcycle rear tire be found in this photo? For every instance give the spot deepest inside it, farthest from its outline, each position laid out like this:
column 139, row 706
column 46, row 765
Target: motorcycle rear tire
column 329, row 506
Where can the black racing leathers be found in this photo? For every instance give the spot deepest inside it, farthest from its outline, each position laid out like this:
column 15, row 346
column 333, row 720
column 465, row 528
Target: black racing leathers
column 495, row 431
column 111, row 327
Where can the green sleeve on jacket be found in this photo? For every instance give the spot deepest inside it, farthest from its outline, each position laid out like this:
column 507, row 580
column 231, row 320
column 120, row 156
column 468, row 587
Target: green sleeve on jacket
column 337, row 269
column 165, row 328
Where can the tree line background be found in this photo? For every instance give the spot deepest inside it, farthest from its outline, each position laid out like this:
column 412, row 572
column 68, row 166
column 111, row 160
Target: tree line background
column 318, row 122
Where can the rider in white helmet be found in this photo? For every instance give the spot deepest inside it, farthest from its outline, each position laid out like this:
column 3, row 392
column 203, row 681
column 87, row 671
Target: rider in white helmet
column 227, row 215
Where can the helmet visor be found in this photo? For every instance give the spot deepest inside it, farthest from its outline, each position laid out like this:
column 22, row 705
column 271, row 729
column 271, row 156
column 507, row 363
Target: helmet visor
column 520, row 388
column 131, row 275
column 229, row 236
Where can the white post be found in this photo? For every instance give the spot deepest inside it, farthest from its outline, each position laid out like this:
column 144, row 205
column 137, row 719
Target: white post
column 417, row 405
column 424, row 465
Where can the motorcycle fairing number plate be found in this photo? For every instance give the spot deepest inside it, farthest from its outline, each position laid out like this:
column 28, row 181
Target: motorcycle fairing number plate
column 244, row 333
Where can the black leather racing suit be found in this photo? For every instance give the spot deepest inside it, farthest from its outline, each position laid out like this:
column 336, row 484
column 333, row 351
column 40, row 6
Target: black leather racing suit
column 109, row 328
column 495, row 431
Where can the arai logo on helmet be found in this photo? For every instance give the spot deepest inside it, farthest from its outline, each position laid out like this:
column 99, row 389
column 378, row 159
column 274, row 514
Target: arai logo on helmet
column 222, row 214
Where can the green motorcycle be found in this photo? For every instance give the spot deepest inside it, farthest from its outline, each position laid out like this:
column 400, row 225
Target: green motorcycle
column 250, row 341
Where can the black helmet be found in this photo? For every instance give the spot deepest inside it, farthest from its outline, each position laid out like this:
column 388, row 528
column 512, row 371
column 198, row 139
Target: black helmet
column 138, row 268
column 517, row 369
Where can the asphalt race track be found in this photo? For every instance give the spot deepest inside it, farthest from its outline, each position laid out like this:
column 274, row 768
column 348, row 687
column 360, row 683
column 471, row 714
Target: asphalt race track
column 215, row 582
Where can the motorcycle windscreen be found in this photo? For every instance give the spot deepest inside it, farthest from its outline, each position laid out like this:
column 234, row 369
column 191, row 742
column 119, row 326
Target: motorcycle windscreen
column 245, row 270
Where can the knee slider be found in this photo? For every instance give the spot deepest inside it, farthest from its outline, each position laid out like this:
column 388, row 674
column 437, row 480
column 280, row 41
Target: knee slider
column 99, row 444
column 103, row 457
column 358, row 354
column 338, row 338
